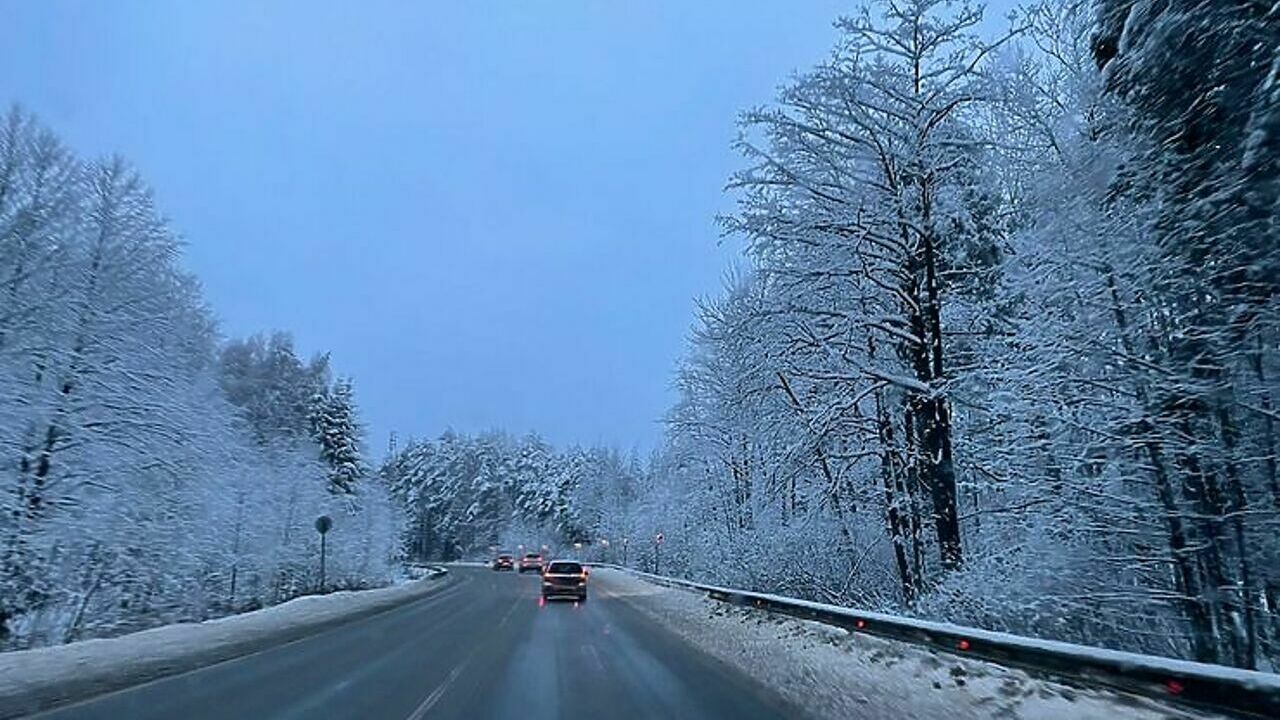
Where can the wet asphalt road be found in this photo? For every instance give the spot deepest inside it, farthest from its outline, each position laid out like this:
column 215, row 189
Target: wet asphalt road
column 483, row 647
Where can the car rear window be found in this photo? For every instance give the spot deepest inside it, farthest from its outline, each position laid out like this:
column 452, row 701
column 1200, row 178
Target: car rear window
column 564, row 568
column 531, row 556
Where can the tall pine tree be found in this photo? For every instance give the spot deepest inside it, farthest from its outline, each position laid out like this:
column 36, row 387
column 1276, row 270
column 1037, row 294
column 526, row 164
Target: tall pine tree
column 337, row 430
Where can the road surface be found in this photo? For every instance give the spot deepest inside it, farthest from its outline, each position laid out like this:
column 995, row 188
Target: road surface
column 483, row 647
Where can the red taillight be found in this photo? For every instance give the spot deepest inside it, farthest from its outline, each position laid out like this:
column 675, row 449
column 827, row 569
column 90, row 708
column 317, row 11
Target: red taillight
column 584, row 576
column 861, row 624
column 963, row 644
column 1174, row 687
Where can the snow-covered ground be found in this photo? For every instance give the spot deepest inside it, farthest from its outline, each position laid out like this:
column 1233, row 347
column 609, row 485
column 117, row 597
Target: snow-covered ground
column 34, row 679
column 838, row 674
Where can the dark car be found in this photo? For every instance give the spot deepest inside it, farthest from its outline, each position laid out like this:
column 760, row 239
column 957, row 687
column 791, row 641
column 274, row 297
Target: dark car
column 531, row 562
column 504, row 561
column 564, row 579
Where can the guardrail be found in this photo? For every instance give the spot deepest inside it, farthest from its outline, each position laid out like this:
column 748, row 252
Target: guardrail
column 1223, row 689
column 422, row 571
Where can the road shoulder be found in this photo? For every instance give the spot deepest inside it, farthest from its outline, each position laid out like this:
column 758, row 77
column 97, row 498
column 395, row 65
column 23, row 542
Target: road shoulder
column 39, row 679
column 836, row 674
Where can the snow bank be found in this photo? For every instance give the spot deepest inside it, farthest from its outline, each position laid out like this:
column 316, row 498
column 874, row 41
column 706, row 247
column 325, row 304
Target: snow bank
column 837, row 674
column 32, row 680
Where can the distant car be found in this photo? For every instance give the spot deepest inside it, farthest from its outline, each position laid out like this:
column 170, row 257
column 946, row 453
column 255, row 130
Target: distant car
column 531, row 561
column 564, row 579
column 504, row 561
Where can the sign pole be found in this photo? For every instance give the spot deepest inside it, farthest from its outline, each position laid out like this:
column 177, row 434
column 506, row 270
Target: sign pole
column 323, row 524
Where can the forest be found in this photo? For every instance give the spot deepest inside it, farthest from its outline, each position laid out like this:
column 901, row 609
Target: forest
column 1001, row 349
column 154, row 471
column 1002, row 346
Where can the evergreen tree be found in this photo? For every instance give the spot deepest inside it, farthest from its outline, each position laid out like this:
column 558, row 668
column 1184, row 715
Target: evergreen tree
column 337, row 430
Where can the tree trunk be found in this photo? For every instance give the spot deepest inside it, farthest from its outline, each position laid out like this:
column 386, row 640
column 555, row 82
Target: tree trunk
column 936, row 415
column 896, row 522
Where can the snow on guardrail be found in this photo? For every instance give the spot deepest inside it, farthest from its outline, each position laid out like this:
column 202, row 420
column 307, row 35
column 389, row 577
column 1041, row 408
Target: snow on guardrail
column 1242, row 692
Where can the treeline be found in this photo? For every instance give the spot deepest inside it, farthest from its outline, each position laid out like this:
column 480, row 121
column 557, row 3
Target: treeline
column 150, row 472
column 1005, row 349
column 465, row 495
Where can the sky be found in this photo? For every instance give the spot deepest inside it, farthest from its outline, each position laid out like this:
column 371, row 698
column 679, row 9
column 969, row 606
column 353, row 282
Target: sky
column 494, row 214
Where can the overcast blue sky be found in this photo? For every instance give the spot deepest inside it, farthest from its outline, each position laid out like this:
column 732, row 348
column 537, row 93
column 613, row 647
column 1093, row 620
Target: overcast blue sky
column 494, row 214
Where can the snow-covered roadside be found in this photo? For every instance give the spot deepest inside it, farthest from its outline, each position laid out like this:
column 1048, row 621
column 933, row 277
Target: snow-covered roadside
column 838, row 674
column 31, row 680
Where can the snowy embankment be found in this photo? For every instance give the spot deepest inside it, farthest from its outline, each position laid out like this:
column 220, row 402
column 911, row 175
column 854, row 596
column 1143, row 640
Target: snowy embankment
column 837, row 674
column 31, row 680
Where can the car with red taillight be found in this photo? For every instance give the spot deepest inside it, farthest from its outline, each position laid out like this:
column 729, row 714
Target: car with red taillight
column 564, row 579
column 531, row 562
column 504, row 561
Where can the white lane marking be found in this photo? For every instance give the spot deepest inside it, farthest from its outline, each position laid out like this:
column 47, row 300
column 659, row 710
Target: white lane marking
column 188, row 675
column 307, row 707
column 430, row 701
column 436, row 694
column 595, row 655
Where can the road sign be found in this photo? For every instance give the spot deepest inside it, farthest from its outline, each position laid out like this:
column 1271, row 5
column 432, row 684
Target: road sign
column 323, row 523
column 659, row 538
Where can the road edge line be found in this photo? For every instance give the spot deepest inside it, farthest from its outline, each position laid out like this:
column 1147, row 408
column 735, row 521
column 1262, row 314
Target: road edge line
column 21, row 696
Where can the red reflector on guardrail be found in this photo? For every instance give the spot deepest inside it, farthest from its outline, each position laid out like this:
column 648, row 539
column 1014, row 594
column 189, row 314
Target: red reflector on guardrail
column 1251, row 693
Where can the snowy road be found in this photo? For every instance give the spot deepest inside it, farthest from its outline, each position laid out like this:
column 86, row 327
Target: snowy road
column 482, row 648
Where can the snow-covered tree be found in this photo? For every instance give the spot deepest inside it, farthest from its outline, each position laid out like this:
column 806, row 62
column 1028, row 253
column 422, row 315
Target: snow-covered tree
column 150, row 477
column 1007, row 305
column 337, row 430
column 466, row 494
